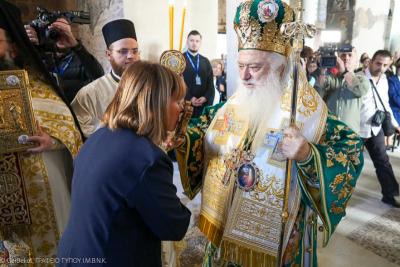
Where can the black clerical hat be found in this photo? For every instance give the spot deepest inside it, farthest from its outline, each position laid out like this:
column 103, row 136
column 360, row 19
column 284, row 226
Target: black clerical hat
column 118, row 29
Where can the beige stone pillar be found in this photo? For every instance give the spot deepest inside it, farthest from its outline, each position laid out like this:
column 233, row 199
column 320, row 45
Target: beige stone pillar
column 101, row 12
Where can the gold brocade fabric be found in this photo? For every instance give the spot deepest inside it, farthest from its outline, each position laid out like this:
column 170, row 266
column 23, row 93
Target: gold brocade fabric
column 54, row 116
column 36, row 242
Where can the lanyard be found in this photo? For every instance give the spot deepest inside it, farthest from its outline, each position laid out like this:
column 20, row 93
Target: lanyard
column 196, row 69
column 61, row 71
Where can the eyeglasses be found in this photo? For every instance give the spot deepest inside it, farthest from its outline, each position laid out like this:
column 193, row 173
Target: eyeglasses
column 125, row 51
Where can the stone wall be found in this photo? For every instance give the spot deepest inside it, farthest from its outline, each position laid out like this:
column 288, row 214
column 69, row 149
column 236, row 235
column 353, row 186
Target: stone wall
column 28, row 7
column 340, row 16
column 101, row 12
column 370, row 23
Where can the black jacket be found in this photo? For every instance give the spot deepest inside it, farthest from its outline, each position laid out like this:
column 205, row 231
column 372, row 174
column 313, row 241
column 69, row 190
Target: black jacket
column 206, row 88
column 82, row 69
column 123, row 203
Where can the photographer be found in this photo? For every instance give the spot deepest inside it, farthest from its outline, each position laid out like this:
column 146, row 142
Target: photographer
column 342, row 93
column 372, row 130
column 74, row 66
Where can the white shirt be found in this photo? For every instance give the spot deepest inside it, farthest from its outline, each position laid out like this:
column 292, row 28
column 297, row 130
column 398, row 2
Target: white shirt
column 368, row 106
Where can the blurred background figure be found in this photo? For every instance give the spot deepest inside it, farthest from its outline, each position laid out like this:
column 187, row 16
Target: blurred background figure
column 219, row 80
column 312, row 71
column 67, row 59
column 122, row 50
column 364, row 62
column 306, row 53
column 343, row 92
column 394, row 92
column 198, row 75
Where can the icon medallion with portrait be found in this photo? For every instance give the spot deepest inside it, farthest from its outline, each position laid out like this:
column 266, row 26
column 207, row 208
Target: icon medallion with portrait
column 246, row 177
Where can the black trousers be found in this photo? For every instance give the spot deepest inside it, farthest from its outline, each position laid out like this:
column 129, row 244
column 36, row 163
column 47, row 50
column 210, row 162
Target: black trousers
column 377, row 151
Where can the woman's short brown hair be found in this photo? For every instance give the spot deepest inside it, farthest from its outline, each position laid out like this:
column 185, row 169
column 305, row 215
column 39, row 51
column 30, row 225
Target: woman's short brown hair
column 215, row 62
column 142, row 98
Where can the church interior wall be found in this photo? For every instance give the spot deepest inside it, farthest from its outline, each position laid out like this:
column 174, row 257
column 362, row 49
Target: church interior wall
column 150, row 17
column 370, row 25
column 152, row 25
column 394, row 43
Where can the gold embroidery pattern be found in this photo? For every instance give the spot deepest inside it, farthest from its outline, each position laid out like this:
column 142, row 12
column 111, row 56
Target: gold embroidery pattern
column 346, row 157
column 41, row 236
column 16, row 115
column 253, row 34
column 44, row 232
column 268, row 188
column 228, row 124
column 307, row 102
column 308, row 99
column 41, row 90
column 61, row 127
column 14, row 208
column 343, row 194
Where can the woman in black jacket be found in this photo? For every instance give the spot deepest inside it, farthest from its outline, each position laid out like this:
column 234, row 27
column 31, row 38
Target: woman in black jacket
column 123, row 199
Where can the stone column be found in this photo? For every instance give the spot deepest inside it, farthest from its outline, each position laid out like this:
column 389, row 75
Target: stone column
column 394, row 44
column 370, row 25
column 232, row 45
column 101, row 12
column 310, row 15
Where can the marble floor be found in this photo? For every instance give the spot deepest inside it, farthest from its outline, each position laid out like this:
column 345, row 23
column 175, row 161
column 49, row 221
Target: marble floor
column 364, row 206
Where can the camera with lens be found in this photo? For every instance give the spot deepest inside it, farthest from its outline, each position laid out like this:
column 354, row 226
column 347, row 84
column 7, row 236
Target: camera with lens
column 328, row 56
column 47, row 37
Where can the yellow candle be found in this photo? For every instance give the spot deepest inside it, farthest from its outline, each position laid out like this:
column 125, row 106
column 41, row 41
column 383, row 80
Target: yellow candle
column 182, row 27
column 171, row 25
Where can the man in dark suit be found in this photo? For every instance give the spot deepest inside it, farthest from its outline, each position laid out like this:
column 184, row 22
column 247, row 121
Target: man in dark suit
column 198, row 75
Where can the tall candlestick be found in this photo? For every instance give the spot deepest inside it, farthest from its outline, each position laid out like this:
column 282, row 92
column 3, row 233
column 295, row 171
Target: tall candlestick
column 171, row 24
column 182, row 26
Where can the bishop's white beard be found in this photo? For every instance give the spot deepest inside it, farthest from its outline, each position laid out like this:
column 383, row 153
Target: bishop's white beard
column 258, row 105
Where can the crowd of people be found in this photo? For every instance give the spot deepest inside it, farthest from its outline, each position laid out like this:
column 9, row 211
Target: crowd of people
column 357, row 96
column 97, row 186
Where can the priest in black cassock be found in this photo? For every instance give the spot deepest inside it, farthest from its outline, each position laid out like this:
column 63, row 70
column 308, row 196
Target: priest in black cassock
column 198, row 75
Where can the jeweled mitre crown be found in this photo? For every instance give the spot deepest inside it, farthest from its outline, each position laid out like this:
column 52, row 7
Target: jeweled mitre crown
column 258, row 22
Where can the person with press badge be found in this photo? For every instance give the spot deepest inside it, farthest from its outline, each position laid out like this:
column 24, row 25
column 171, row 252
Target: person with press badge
column 198, row 75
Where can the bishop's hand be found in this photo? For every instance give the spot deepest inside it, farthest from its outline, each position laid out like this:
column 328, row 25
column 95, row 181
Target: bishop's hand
column 294, row 145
